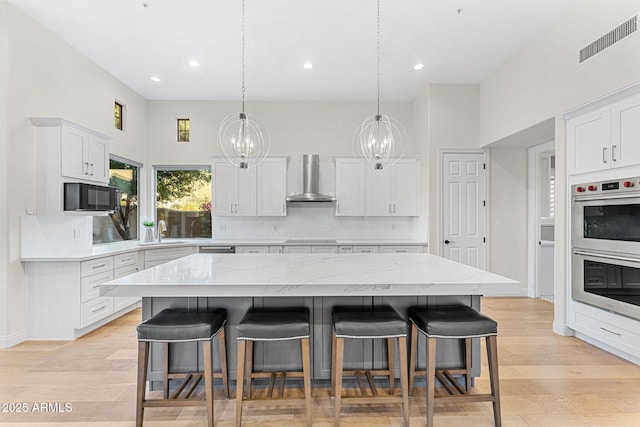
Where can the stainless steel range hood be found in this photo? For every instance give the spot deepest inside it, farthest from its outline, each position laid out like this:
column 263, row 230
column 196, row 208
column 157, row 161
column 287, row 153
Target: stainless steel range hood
column 310, row 182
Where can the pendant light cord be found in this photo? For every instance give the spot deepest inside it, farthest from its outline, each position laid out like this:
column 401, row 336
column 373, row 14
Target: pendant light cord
column 378, row 55
column 243, row 66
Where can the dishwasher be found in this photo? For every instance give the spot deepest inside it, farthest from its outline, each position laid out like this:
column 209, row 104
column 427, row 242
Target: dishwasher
column 217, row 249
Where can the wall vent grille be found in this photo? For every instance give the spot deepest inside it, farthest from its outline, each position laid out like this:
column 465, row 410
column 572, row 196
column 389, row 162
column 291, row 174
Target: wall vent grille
column 613, row 36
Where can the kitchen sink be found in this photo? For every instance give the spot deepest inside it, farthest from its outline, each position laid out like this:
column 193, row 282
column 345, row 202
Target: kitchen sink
column 312, row 241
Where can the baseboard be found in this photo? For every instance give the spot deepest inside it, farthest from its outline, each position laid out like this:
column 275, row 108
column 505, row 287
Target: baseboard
column 13, row 339
column 630, row 357
column 563, row 330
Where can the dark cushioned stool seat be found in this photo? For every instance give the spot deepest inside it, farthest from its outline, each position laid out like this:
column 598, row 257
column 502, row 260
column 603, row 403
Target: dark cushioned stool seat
column 452, row 321
column 182, row 326
column 269, row 325
column 274, row 324
column 378, row 322
column 172, row 325
column 359, row 322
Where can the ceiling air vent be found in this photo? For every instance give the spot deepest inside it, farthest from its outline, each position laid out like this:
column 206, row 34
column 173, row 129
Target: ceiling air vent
column 613, row 36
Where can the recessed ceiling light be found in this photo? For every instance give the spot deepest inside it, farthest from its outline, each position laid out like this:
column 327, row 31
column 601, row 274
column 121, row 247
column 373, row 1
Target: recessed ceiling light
column 418, row 67
column 155, row 78
column 308, row 65
column 194, row 63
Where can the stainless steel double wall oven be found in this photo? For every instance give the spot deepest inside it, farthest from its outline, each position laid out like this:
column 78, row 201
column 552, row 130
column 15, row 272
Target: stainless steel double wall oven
column 605, row 240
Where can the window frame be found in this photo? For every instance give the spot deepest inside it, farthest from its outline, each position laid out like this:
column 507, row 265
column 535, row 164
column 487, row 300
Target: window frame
column 181, row 131
column 120, row 107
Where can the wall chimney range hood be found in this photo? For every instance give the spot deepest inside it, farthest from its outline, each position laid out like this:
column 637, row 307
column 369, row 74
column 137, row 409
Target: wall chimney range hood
column 310, row 182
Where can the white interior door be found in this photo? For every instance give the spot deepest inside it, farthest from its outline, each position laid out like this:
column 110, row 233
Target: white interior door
column 463, row 201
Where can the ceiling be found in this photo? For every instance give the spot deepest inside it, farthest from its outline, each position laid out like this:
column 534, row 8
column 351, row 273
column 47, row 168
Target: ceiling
column 458, row 41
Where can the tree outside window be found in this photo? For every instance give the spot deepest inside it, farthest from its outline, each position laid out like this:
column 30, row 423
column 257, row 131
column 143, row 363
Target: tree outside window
column 184, row 130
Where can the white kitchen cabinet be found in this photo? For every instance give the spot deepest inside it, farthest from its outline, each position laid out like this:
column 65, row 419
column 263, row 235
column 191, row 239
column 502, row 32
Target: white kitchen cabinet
column 153, row 257
column 395, row 249
column 83, row 154
column 394, row 190
column 297, row 249
column 272, row 187
column 368, row 249
column 125, row 264
column 604, row 136
column 252, row 249
column 234, row 190
column 350, row 195
column 310, row 249
column 276, row 249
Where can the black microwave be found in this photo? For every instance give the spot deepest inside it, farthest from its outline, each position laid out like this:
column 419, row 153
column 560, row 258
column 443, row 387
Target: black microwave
column 89, row 197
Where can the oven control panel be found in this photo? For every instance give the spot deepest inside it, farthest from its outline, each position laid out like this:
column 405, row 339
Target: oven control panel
column 607, row 187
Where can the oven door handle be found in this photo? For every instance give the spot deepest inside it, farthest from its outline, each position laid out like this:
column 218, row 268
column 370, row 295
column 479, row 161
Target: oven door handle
column 578, row 199
column 607, row 256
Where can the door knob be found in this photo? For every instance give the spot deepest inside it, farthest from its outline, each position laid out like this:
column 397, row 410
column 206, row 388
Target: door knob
column 448, row 241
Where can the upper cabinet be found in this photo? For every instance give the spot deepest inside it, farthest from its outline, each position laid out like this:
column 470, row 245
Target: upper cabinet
column 84, row 155
column 272, row 187
column 66, row 152
column 250, row 192
column 392, row 191
column 350, row 187
column 606, row 135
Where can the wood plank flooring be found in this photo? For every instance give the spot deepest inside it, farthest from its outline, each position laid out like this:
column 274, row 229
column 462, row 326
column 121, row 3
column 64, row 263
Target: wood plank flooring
column 546, row 380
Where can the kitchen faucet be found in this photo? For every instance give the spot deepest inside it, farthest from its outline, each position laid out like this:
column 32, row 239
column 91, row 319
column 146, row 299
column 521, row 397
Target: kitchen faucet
column 162, row 227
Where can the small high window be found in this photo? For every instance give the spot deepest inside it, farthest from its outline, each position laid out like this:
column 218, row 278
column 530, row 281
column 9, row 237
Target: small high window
column 117, row 115
column 184, row 130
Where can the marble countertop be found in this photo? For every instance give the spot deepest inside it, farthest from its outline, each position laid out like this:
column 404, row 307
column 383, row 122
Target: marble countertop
column 310, row 275
column 121, row 247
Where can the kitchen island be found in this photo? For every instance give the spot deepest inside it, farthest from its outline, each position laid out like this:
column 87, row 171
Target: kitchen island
column 317, row 281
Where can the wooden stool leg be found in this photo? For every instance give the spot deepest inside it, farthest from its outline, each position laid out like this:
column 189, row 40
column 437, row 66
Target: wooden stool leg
column 165, row 369
column 249, row 371
column 240, row 380
column 431, row 379
column 391, row 364
column 143, row 365
column 333, row 364
column 492, row 353
column 222, row 344
column 306, row 369
column 208, row 380
column 413, row 350
column 338, row 377
column 402, row 354
column 467, row 364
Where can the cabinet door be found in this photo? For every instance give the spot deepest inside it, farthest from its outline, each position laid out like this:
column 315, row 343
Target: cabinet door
column 365, row 249
column 625, row 132
column 73, row 153
column 589, row 141
column 98, row 159
column 350, row 187
column 246, row 192
column 272, row 187
column 324, row 249
column 296, row 249
column 378, row 192
column 252, row 249
column 400, row 249
column 404, row 187
column 225, row 188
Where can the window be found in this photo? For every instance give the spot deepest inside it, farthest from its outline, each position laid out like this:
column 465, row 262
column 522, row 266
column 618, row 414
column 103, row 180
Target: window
column 122, row 224
column 183, row 200
column 184, row 130
column 117, row 115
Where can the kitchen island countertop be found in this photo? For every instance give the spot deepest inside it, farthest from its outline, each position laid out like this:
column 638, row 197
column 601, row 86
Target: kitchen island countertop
column 286, row 275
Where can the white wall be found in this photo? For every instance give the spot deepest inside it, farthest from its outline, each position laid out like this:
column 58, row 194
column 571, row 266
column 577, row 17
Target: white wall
column 544, row 80
column 46, row 78
column 452, row 124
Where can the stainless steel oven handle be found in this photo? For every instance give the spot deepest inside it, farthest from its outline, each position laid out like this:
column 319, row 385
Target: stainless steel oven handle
column 606, row 197
column 606, row 256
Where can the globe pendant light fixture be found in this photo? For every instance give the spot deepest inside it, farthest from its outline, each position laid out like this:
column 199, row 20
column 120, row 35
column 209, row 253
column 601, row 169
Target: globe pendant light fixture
column 380, row 138
column 244, row 140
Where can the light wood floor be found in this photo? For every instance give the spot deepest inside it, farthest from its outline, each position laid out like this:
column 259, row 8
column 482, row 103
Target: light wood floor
column 546, row 380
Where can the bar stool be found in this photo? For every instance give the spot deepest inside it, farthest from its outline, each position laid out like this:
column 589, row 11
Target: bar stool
column 173, row 326
column 268, row 325
column 381, row 322
column 454, row 322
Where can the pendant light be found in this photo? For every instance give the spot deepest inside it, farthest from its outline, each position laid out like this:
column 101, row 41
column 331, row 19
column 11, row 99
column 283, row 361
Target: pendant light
column 380, row 138
column 244, row 140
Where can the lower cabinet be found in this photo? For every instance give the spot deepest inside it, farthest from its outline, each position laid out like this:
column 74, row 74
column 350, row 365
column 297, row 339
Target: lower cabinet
column 153, row 257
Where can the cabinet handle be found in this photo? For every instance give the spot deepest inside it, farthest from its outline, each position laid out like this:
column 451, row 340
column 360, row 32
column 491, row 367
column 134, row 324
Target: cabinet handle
column 604, row 154
column 125, row 259
column 99, row 309
column 99, row 266
column 394, row 208
column 389, row 207
column 231, row 208
column 613, row 153
column 401, row 251
column 91, row 164
column 85, row 168
column 611, row 332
